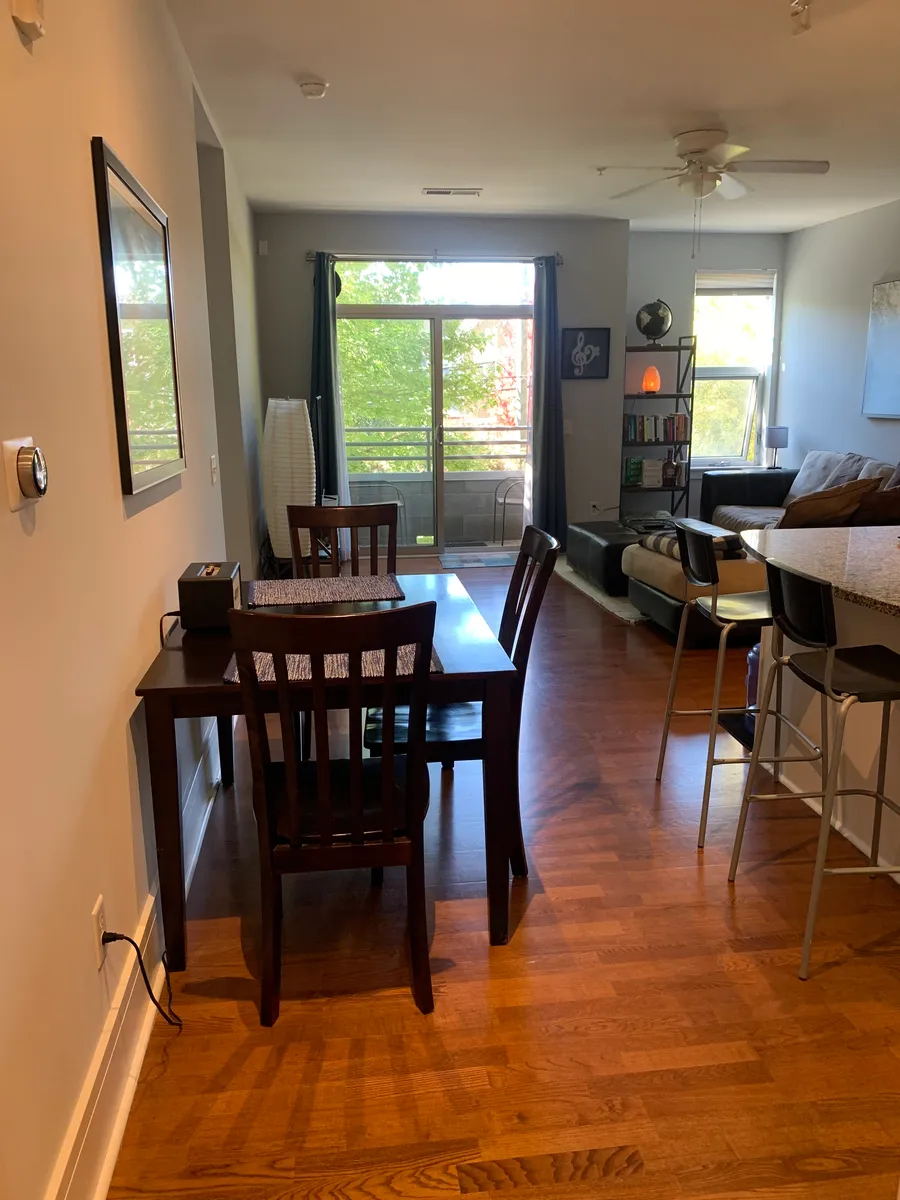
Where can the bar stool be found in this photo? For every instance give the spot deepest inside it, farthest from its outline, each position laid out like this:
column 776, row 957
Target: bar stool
column 803, row 610
column 696, row 545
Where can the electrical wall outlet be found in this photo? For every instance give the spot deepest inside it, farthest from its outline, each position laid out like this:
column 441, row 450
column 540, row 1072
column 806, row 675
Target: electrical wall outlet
column 213, row 469
column 98, row 917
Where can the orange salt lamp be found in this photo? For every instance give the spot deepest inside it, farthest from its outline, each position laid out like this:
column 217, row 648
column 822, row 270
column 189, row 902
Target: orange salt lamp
column 652, row 381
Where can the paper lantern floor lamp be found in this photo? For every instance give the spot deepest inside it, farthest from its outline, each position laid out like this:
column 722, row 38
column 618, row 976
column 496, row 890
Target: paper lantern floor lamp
column 289, row 469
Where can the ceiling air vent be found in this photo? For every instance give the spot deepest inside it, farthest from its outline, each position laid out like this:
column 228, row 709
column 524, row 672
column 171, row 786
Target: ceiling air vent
column 452, row 191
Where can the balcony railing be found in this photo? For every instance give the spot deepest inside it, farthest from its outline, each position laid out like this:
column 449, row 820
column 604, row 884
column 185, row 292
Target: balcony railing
column 390, row 449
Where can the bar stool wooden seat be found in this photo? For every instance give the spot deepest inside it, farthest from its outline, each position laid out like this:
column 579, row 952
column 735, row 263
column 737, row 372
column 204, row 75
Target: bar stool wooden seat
column 696, row 545
column 803, row 611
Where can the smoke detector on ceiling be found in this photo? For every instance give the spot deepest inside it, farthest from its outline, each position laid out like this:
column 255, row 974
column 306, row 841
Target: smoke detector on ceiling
column 801, row 15
column 312, row 89
column 451, row 191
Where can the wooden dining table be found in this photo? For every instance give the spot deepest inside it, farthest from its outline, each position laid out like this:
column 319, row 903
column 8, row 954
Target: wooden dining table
column 187, row 679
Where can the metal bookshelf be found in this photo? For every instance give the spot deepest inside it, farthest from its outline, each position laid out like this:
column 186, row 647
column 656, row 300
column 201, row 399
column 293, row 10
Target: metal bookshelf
column 683, row 400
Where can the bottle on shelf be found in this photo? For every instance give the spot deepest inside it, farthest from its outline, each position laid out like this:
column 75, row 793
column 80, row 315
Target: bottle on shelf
column 669, row 470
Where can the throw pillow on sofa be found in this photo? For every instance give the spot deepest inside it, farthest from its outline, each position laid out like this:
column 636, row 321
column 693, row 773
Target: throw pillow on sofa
column 878, row 508
column 846, row 471
column 835, row 506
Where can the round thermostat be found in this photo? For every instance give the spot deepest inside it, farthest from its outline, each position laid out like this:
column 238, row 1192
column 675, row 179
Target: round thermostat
column 31, row 471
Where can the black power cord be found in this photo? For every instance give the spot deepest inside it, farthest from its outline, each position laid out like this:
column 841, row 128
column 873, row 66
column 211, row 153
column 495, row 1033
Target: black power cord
column 170, row 1017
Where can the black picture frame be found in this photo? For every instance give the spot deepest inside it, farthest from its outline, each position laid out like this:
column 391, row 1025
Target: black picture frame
column 134, row 240
column 584, row 353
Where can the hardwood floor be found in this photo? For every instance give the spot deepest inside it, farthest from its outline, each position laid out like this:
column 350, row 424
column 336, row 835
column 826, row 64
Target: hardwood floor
column 644, row 1033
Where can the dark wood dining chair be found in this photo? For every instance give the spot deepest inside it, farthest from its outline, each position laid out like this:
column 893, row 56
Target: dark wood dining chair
column 323, row 524
column 334, row 814
column 453, row 732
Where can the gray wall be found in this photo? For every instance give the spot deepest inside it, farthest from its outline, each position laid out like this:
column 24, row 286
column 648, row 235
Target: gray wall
column 831, row 270
column 592, row 288
column 231, row 292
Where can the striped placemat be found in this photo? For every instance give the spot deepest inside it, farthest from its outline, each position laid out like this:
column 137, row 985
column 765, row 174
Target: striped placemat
column 340, row 589
column 336, row 665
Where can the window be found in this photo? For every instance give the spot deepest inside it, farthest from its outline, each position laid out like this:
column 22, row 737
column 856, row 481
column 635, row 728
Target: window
column 734, row 322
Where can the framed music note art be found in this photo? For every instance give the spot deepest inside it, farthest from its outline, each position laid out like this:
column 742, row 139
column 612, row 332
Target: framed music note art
column 585, row 354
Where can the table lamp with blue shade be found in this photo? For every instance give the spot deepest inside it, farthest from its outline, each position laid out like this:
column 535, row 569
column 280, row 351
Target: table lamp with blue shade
column 776, row 439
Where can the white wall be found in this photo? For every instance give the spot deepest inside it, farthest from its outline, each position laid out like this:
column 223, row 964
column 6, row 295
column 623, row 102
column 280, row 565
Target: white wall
column 592, row 286
column 87, row 573
column 831, row 271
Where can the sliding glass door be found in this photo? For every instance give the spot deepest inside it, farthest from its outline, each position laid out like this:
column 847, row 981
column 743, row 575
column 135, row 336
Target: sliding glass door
column 436, row 392
column 387, row 390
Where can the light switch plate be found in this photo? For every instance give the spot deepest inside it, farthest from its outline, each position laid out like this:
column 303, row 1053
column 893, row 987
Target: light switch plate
column 13, row 491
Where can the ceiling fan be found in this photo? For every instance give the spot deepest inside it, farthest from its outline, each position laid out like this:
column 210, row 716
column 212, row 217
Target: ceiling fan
column 711, row 163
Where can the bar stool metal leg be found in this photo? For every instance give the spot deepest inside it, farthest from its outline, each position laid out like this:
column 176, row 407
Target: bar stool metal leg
column 673, row 683
column 824, row 832
column 713, row 732
column 879, row 786
column 758, row 735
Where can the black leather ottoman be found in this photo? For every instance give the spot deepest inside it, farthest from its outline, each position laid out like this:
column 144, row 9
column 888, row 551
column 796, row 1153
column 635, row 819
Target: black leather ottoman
column 594, row 549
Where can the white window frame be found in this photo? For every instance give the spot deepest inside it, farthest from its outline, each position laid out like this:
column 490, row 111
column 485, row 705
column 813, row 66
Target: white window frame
column 761, row 379
column 756, row 409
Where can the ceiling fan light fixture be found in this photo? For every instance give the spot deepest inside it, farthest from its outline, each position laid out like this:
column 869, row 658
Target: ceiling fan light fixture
column 700, row 184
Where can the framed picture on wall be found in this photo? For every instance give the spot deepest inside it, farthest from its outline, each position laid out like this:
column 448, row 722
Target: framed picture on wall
column 585, row 354
column 881, row 397
column 137, row 285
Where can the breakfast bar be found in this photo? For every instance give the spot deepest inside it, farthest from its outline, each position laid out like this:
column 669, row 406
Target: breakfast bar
column 862, row 565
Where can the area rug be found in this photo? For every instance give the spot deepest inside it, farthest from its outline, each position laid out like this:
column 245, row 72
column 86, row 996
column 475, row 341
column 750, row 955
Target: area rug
column 458, row 562
column 619, row 606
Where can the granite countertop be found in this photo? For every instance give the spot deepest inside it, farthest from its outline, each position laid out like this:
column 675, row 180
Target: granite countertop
column 862, row 565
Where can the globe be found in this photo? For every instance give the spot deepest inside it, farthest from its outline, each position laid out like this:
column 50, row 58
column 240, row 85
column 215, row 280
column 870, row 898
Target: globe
column 654, row 320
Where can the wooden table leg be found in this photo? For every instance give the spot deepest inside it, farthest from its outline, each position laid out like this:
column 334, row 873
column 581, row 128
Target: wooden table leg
column 497, row 733
column 167, row 820
column 225, row 727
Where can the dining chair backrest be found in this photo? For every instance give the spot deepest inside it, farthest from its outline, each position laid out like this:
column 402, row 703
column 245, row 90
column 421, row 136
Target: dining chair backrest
column 698, row 556
column 326, row 521
column 277, row 638
column 531, row 574
column 802, row 607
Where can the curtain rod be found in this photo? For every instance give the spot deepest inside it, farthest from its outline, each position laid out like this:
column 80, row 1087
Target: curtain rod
column 435, row 257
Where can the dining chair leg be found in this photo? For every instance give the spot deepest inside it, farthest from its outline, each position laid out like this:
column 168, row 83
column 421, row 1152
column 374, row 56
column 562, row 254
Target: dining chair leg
column 824, row 833
column 879, row 785
column 518, row 860
column 762, row 714
column 713, row 732
column 270, row 974
column 377, row 876
column 673, row 682
column 418, row 930
column 447, row 764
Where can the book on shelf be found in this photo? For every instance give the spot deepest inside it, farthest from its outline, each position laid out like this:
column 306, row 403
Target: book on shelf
column 632, row 471
column 651, row 472
column 645, row 429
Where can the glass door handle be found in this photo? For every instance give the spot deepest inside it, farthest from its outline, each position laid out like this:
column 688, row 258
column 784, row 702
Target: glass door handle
column 440, row 435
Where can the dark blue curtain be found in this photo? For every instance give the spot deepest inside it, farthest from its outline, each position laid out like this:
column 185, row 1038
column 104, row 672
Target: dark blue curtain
column 548, row 504
column 323, row 388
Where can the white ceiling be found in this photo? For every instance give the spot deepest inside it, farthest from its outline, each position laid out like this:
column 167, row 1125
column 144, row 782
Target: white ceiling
column 527, row 97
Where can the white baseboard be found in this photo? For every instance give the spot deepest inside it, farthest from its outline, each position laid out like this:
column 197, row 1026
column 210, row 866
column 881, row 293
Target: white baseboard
column 197, row 801
column 88, row 1155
